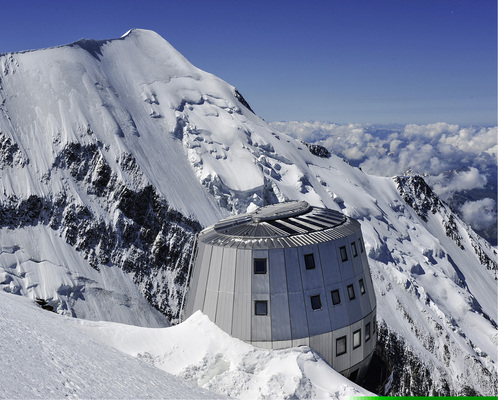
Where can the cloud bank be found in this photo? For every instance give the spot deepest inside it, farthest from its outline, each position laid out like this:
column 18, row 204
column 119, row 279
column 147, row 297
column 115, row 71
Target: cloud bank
column 452, row 158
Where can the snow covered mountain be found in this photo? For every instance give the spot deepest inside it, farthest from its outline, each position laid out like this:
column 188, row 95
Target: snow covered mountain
column 115, row 153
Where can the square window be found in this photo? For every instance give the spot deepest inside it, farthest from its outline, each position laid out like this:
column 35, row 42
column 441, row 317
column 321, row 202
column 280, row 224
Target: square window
column 309, row 261
column 340, row 346
column 336, row 297
column 351, row 292
column 344, row 253
column 367, row 331
column 362, row 247
column 261, row 307
column 357, row 339
column 260, row 266
column 354, row 250
column 316, row 303
column 362, row 286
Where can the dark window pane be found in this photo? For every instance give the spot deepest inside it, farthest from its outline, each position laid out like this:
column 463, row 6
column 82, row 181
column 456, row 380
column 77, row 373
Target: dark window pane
column 309, row 261
column 261, row 307
column 340, row 346
column 316, row 303
column 367, row 332
column 260, row 265
column 344, row 254
column 336, row 297
column 351, row 292
column 353, row 249
column 362, row 286
column 356, row 338
column 362, row 247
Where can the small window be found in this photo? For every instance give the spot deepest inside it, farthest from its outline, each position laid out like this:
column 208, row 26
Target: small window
column 309, row 261
column 354, row 250
column 362, row 246
column 316, row 303
column 344, row 253
column 261, row 307
column 367, row 331
column 356, row 339
column 260, row 266
column 336, row 297
column 351, row 292
column 362, row 286
column 340, row 346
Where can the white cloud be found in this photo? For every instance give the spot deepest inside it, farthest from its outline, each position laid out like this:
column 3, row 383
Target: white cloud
column 480, row 214
column 425, row 149
column 445, row 185
column 429, row 131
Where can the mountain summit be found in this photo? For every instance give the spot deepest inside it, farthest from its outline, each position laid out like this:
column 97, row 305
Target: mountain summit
column 115, row 153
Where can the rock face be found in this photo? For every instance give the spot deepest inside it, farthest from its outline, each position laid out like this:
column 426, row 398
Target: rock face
column 114, row 154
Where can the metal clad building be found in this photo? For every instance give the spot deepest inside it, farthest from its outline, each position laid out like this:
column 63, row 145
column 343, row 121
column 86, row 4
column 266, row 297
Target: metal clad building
column 286, row 275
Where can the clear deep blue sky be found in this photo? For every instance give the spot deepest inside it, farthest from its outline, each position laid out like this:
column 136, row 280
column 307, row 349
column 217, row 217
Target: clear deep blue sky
column 378, row 61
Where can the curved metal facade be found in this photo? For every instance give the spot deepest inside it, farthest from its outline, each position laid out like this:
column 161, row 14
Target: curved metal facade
column 286, row 275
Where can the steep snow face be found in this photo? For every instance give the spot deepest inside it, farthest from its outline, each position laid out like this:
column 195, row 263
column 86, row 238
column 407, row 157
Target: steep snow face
column 37, row 263
column 123, row 95
column 45, row 356
column 122, row 150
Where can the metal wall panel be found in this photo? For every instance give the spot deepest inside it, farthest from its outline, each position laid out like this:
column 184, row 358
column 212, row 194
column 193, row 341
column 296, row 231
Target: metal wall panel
column 202, row 267
column 311, row 278
column 370, row 289
column 261, row 324
column 262, row 344
column 281, row 344
column 353, row 306
column 227, row 278
column 346, row 267
column 226, row 291
column 322, row 344
column 318, row 320
column 241, row 321
column 213, row 282
column 294, row 283
column 338, row 313
column 364, row 260
column 328, row 260
column 342, row 362
column 260, row 282
column 276, row 266
column 305, row 341
column 299, row 322
column 280, row 318
column 357, row 264
column 357, row 354
column 364, row 298
column 370, row 345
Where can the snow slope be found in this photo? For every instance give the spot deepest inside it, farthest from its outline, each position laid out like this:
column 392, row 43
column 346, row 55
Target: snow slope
column 118, row 151
column 198, row 351
column 45, row 356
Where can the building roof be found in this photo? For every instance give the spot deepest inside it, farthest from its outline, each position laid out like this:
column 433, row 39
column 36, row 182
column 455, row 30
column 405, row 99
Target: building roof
column 288, row 224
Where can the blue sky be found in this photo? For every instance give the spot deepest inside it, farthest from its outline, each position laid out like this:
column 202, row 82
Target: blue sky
column 364, row 61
